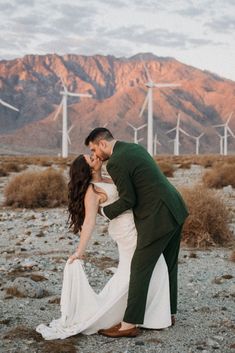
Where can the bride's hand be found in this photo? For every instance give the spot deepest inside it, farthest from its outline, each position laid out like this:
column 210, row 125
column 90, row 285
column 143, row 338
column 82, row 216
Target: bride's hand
column 74, row 257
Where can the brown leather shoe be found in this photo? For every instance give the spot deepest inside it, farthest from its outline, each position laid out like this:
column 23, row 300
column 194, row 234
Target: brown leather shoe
column 173, row 320
column 115, row 333
column 111, row 329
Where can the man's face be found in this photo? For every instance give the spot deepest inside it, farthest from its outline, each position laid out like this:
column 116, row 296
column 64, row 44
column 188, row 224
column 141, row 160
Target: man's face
column 99, row 149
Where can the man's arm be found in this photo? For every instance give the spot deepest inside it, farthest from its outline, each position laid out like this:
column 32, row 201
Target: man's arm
column 127, row 195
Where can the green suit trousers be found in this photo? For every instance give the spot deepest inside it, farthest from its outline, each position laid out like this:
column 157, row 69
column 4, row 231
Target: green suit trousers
column 142, row 266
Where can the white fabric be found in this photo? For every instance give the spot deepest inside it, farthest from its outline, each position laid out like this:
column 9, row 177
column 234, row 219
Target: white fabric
column 84, row 311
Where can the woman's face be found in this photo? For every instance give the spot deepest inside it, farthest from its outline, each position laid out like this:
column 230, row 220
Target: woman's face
column 94, row 162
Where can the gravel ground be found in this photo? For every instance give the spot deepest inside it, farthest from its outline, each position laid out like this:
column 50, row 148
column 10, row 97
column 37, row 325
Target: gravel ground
column 35, row 245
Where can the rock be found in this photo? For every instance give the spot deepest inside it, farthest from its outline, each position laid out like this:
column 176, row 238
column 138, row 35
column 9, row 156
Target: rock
column 28, row 263
column 25, row 287
column 139, row 343
column 228, row 189
column 232, row 290
column 212, row 343
column 40, row 234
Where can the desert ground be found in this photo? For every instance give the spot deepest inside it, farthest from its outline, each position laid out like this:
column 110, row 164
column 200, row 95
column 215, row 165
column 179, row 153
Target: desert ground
column 34, row 246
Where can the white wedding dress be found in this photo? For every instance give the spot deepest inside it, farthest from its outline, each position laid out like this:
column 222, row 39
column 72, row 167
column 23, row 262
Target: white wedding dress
column 84, row 311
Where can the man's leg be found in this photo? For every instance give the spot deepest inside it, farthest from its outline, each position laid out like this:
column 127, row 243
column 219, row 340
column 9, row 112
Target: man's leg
column 171, row 253
column 142, row 266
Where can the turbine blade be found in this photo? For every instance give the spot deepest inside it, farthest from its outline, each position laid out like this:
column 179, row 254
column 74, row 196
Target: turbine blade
column 185, row 133
column 131, row 125
column 147, row 73
column 144, row 105
column 218, row 134
column 162, row 85
column 232, row 134
column 8, row 105
column 79, row 95
column 63, row 84
column 70, row 129
column 141, row 127
column 58, row 110
column 68, row 138
column 229, row 118
column 171, row 130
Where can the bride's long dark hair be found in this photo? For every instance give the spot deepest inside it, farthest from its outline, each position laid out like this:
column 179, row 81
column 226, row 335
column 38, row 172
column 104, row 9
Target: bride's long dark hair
column 80, row 178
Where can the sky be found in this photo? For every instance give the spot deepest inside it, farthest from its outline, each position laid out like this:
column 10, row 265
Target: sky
column 200, row 33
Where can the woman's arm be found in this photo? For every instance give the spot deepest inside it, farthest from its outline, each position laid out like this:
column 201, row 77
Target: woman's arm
column 91, row 202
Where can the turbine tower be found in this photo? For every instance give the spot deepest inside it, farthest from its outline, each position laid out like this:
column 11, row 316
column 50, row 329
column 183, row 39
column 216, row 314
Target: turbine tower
column 177, row 130
column 227, row 133
column 65, row 132
column 5, row 104
column 221, row 140
column 149, row 100
column 198, row 141
column 155, row 143
column 136, row 129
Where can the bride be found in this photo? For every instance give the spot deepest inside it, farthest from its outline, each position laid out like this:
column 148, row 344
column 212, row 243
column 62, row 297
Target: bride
column 82, row 309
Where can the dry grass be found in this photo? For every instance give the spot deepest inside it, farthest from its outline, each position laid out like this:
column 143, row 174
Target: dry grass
column 203, row 160
column 208, row 222
column 167, row 168
column 36, row 189
column 220, row 175
column 14, row 292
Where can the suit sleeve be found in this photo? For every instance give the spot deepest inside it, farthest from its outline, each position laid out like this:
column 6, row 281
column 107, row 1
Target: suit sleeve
column 127, row 195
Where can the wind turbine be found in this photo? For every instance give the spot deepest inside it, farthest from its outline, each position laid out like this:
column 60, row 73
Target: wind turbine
column 149, row 100
column 65, row 132
column 8, row 105
column 177, row 130
column 227, row 131
column 155, row 142
column 198, row 141
column 136, row 129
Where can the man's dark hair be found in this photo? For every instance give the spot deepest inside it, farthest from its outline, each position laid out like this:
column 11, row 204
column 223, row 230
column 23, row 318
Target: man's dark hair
column 99, row 133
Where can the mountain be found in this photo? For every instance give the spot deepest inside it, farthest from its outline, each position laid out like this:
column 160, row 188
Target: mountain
column 33, row 85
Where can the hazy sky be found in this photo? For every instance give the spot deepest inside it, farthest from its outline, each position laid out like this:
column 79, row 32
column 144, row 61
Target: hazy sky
column 200, row 33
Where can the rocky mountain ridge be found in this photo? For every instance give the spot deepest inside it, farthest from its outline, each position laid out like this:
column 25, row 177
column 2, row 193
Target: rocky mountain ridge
column 33, row 85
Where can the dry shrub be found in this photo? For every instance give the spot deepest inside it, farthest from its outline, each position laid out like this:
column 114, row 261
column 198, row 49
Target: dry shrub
column 167, row 168
column 10, row 167
column 22, row 332
column 36, row 189
column 219, row 176
column 208, row 222
column 39, row 345
column 57, row 346
column 3, row 172
column 185, row 165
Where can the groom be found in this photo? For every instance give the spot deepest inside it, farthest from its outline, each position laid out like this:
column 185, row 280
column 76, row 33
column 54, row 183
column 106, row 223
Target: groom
column 159, row 214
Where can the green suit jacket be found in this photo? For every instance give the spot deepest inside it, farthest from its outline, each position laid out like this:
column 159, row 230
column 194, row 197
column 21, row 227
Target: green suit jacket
column 157, row 206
